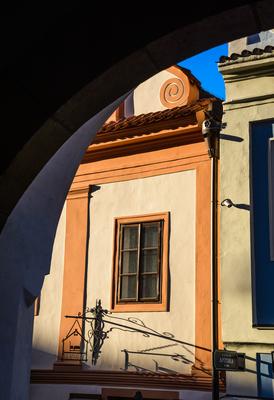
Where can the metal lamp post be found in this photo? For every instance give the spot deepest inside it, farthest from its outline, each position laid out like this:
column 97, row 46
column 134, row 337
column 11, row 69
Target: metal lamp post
column 211, row 129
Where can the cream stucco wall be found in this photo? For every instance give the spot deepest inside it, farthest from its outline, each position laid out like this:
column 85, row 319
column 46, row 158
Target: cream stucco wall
column 265, row 38
column 47, row 323
column 147, row 94
column 250, row 97
column 251, row 79
column 235, row 223
column 174, row 193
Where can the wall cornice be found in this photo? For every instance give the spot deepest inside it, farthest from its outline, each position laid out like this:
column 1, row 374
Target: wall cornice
column 128, row 144
column 78, row 193
column 254, row 63
column 122, row 379
column 138, row 165
column 258, row 100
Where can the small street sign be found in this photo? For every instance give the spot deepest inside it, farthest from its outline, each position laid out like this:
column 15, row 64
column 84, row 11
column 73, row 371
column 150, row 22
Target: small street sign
column 229, row 360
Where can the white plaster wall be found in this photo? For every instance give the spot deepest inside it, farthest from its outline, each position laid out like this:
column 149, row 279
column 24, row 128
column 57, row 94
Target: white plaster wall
column 61, row 392
column 235, row 226
column 171, row 192
column 237, row 46
column 147, row 94
column 47, row 323
column 195, row 395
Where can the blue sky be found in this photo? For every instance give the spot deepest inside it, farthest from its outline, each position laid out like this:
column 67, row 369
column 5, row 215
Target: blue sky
column 204, row 67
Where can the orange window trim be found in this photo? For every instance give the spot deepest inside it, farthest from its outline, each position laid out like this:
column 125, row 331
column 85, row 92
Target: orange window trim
column 162, row 304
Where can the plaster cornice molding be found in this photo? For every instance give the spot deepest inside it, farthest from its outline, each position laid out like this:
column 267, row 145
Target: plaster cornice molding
column 245, row 102
column 255, row 65
column 77, row 193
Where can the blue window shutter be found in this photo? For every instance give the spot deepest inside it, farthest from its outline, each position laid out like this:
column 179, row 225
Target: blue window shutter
column 262, row 266
column 264, row 375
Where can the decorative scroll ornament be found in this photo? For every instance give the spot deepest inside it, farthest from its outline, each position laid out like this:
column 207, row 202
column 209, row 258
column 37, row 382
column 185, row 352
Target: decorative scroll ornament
column 97, row 334
column 174, row 92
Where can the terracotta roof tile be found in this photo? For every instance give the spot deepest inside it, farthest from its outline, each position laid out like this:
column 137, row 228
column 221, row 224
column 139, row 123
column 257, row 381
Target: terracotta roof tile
column 154, row 117
column 245, row 54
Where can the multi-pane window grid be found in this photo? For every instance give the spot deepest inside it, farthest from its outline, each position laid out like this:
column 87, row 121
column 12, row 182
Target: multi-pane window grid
column 140, row 261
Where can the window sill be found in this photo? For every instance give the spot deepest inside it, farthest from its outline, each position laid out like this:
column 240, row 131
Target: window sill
column 139, row 307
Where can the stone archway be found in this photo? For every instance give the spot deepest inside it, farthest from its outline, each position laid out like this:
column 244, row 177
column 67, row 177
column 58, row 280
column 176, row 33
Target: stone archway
column 34, row 192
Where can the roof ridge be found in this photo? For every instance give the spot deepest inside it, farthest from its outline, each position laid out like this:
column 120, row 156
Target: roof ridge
column 156, row 116
column 245, row 53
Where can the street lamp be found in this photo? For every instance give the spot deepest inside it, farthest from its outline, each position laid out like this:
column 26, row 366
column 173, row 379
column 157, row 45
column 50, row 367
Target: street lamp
column 211, row 132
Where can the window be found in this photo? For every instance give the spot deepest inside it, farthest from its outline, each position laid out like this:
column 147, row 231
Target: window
column 139, row 261
column 140, row 271
column 271, row 192
column 262, row 230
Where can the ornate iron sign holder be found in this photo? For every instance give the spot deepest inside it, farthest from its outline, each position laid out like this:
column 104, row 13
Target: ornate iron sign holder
column 98, row 317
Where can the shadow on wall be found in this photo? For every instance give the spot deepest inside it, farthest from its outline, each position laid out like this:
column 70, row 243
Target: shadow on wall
column 42, row 359
column 260, row 367
column 152, row 357
column 159, row 359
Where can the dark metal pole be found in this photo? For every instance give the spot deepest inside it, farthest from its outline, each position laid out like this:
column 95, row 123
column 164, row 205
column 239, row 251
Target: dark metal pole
column 214, row 266
column 211, row 132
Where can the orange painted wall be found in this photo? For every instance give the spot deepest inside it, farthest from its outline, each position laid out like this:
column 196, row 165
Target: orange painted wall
column 75, row 261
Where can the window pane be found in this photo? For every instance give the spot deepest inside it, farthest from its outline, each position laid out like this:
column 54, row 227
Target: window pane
column 149, row 260
column 129, row 261
column 150, row 234
column 128, row 287
column 149, row 286
column 130, row 237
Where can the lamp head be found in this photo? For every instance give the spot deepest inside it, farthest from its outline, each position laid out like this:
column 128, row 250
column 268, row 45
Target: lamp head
column 210, row 131
column 227, row 203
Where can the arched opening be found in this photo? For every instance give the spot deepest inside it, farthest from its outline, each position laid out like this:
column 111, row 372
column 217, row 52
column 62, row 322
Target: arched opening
column 28, row 175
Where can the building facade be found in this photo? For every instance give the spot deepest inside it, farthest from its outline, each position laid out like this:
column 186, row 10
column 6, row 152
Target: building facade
column 246, row 229
column 135, row 235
